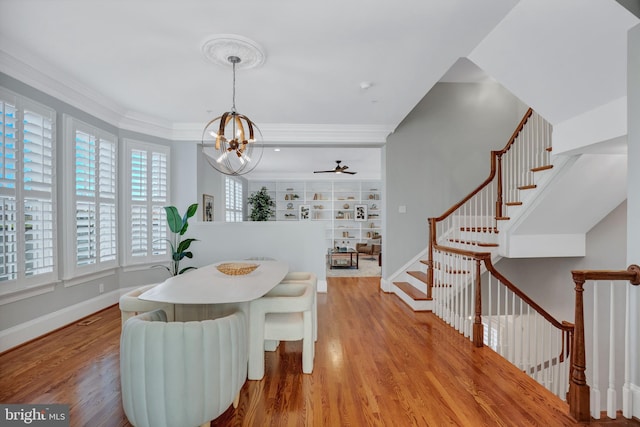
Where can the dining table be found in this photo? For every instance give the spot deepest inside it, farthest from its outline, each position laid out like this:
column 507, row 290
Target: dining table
column 206, row 292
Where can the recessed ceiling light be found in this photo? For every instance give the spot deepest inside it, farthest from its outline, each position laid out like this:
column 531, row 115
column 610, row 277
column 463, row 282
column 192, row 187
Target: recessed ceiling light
column 276, row 149
column 365, row 85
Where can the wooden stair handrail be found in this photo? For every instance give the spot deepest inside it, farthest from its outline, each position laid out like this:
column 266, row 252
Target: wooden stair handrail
column 486, row 258
column 564, row 326
column 579, row 393
column 523, row 122
column 494, row 156
column 486, row 182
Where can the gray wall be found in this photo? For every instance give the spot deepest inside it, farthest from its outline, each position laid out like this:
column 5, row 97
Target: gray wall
column 438, row 155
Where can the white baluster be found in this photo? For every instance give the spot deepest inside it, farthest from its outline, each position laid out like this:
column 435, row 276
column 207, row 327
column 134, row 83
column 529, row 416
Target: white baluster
column 522, row 333
column 595, row 375
column 512, row 345
column 527, row 353
column 499, row 321
column 611, row 391
column 490, row 342
column 626, row 387
column 535, row 345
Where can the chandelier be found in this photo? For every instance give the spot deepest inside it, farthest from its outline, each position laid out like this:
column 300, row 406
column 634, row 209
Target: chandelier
column 232, row 143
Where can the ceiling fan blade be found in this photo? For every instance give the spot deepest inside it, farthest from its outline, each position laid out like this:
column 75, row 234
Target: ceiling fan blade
column 338, row 169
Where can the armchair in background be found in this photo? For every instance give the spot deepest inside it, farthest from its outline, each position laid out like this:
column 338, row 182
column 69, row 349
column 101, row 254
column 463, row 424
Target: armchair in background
column 372, row 247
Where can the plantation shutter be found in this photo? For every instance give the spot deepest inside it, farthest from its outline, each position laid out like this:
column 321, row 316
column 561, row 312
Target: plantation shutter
column 148, row 170
column 27, row 237
column 95, row 197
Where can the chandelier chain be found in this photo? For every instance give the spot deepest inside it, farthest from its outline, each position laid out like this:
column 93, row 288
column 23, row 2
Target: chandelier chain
column 233, row 106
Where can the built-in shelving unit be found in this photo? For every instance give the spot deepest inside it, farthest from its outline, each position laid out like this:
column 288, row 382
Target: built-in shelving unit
column 352, row 210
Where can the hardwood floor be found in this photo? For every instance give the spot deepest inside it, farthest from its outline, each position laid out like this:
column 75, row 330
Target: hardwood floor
column 377, row 363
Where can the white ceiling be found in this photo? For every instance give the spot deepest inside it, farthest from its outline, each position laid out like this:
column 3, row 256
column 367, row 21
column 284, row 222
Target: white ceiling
column 137, row 64
column 141, row 61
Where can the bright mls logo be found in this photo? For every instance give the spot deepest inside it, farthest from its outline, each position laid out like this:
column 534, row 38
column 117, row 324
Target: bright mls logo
column 34, row 415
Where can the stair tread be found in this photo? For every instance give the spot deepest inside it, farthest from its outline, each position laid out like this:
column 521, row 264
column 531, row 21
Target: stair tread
column 527, row 187
column 474, row 243
column 412, row 292
column 542, row 168
column 480, row 229
column 502, row 218
column 513, row 203
column 448, row 270
column 422, row 276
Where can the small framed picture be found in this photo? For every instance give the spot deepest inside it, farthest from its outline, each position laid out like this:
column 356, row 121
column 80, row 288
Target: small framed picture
column 361, row 212
column 304, row 212
column 207, row 208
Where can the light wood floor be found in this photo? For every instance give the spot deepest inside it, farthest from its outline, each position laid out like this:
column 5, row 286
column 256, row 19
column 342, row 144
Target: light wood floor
column 377, row 364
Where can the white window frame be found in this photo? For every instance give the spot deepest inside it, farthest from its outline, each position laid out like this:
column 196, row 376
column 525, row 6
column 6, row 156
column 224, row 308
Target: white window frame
column 233, row 199
column 24, row 281
column 157, row 231
column 101, row 260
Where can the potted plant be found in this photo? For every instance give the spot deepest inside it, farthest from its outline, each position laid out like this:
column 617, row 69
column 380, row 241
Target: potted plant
column 262, row 205
column 179, row 248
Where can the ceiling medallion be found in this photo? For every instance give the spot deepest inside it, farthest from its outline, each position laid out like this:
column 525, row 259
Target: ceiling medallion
column 220, row 47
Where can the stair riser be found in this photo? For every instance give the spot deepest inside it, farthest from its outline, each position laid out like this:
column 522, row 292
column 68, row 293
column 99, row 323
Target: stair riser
column 415, row 305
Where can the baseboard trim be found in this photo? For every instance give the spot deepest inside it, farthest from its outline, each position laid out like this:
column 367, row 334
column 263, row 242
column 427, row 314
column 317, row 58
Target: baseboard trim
column 27, row 331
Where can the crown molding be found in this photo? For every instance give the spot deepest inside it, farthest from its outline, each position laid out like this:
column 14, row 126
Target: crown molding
column 286, row 134
column 50, row 80
column 53, row 82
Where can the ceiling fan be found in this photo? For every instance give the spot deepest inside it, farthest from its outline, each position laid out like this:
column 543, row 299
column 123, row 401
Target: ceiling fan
column 338, row 169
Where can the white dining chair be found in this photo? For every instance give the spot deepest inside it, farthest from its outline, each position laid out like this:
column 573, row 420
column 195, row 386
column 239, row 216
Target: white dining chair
column 181, row 374
column 130, row 305
column 311, row 278
column 284, row 314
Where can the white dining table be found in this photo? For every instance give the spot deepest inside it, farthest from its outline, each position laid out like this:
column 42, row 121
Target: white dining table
column 207, row 285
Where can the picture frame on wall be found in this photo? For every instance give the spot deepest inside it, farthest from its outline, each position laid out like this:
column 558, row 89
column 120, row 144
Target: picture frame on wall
column 304, row 212
column 360, row 213
column 207, row 208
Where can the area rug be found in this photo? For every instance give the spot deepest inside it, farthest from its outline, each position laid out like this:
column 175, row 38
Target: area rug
column 367, row 267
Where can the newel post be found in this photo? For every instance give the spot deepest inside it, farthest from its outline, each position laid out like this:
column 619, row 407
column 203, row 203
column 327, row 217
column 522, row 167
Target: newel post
column 478, row 330
column 432, row 234
column 578, row 388
column 499, row 198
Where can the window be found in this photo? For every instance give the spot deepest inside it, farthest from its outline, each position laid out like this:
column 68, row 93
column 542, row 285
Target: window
column 93, row 177
column 27, row 190
column 147, row 182
column 233, row 199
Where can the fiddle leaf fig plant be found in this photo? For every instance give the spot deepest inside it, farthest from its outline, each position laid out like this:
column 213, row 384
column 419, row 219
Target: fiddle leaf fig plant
column 262, row 205
column 179, row 248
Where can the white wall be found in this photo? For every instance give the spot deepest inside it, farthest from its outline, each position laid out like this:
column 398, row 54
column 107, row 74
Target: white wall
column 299, row 243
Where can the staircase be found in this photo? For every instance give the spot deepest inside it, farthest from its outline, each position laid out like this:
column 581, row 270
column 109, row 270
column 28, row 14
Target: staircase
column 455, row 277
column 478, row 221
column 456, row 272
